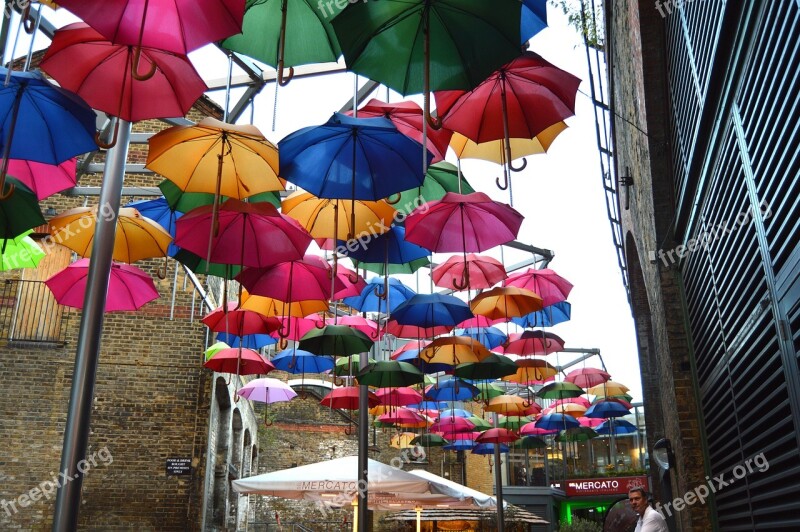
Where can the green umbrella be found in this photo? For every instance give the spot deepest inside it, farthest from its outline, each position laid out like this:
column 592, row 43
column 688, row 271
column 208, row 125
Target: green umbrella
column 20, row 212
column 513, row 422
column 390, row 374
column 492, row 367
column 216, row 348
column 395, row 269
column 488, row 391
column 198, row 265
column 440, row 179
column 480, row 423
column 560, row 390
column 286, row 33
column 181, row 201
column 20, row 252
column 576, row 434
column 430, row 440
column 338, row 340
column 349, row 365
column 529, row 442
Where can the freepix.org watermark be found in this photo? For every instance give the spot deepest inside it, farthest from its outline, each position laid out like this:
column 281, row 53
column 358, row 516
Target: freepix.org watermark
column 667, row 6
column 704, row 239
column 47, row 488
column 326, row 7
column 757, row 463
column 378, row 228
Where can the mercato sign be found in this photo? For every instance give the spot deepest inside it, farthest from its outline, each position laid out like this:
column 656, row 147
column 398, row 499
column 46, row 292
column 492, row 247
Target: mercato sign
column 583, row 487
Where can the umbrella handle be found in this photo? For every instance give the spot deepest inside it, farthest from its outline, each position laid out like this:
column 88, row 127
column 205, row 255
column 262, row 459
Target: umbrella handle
column 284, row 80
column 392, row 201
column 162, row 271
column 267, row 421
column 350, row 277
column 504, row 186
column 28, row 23
column 135, row 59
column 379, row 294
column 464, row 283
column 338, row 381
column 521, row 168
column 5, row 193
column 283, row 343
column 320, row 324
column 110, row 144
column 348, row 430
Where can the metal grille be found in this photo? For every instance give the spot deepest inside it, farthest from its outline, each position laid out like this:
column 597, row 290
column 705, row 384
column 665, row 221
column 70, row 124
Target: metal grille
column 29, row 313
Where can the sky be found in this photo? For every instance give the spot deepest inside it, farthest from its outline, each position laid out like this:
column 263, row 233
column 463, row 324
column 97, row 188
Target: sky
column 560, row 193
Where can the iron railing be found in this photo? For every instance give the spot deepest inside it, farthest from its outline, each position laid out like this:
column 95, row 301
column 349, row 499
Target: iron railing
column 30, row 313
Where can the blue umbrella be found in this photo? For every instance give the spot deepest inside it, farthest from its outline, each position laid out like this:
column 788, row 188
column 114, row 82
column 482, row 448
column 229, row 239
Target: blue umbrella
column 620, row 427
column 299, row 361
column 249, row 341
column 371, row 300
column 159, row 211
column 534, row 18
column 42, row 122
column 547, row 317
column 490, row 337
column 390, row 247
column 455, row 412
column 451, row 390
column 429, row 405
column 607, row 409
column 352, row 158
column 557, row 421
column 430, row 310
column 488, row 448
column 460, row 445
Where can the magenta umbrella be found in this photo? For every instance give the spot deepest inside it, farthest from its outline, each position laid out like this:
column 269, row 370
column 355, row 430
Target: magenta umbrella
column 587, row 377
column 367, row 326
column 129, row 288
column 483, row 272
column 402, row 416
column 44, row 179
column 239, row 322
column 452, row 424
column 294, row 280
column 550, row 286
column 415, row 332
column 529, row 343
column 402, row 396
column 249, row 234
column 353, row 282
column 294, row 328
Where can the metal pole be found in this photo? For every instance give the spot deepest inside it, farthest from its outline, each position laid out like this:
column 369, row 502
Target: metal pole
column 363, row 445
column 498, row 481
column 76, row 433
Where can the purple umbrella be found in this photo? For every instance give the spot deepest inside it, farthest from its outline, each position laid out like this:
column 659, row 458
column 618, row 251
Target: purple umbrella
column 266, row 390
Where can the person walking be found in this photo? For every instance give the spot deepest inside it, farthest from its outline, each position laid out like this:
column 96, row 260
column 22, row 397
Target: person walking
column 650, row 520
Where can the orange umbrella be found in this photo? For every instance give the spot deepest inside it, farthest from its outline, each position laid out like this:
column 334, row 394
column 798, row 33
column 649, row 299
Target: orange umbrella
column 342, row 219
column 507, row 405
column 454, row 350
column 270, row 307
column 532, row 370
column 505, row 303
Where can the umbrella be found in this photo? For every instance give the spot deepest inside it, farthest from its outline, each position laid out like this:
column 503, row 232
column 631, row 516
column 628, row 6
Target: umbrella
column 615, row 427
column 239, row 361
column 389, row 247
column 285, row 33
column 294, row 280
column 590, row 422
column 459, row 445
column 158, row 210
column 478, row 321
column 198, row 264
column 491, row 367
column 20, row 252
column 350, row 365
column 559, row 390
column 454, row 350
column 429, row 440
column 44, row 179
column 513, row 422
column 129, row 288
column 608, row 388
column 344, row 220
column 346, row 398
column 440, row 178
column 573, row 409
column 273, row 307
column 547, row 317
column 403, row 417
column 353, row 283
column 482, row 272
column 488, row 448
column 452, row 425
column 215, row 348
column 335, row 340
column 239, row 321
column 507, row 405
column 497, row 436
column 501, row 302
column 607, row 409
column 587, row 377
column 137, row 237
column 298, row 361
column 381, row 268
column 249, row 234
column 178, row 26
column 550, row 286
column 414, row 331
column 451, row 390
column 83, row 61
column 294, row 328
column 533, row 343
column 183, row 202
column 490, row 337
column 402, row 440
column 352, row 158
column 557, row 422
column 267, row 390
column 495, row 150
column 531, row 430
column 576, row 434
column 530, row 371
column 373, row 298
column 408, row 119
column 249, row 341
column 431, row 310
column 530, row 442
column 50, row 124
column 398, row 396
column 455, row 412
column 364, row 325
column 389, row 373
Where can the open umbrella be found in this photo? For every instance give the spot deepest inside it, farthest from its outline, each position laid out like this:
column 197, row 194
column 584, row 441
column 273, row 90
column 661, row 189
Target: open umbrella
column 20, row 252
column 559, row 390
column 20, row 212
column 239, row 361
column 454, row 350
column 615, row 427
column 274, row 307
column 294, row 280
column 398, row 396
column 547, row 317
column 482, row 272
column 440, row 178
column 339, row 219
column 497, row 436
column 493, row 366
column 373, row 297
column 451, row 390
column 350, row 365
column 44, row 179
column 249, row 341
column 607, row 409
column 335, row 340
column 587, row 377
column 158, row 210
column 495, row 150
column 389, row 373
column 129, row 288
column 239, row 321
column 531, row 371
column 184, row 202
column 298, row 361
column 346, row 398
column 267, row 390
column 529, row 343
column 550, row 286
column 431, row 310
column 429, row 440
column 490, row 337
column 502, row 302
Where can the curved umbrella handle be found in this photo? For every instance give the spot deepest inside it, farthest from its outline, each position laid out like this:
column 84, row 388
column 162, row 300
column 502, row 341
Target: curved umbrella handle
column 379, row 294
column 526, row 403
column 162, row 270
column 338, row 381
column 434, row 123
column 464, row 283
column 349, row 431
column 137, row 55
column 320, row 324
column 284, row 80
column 110, row 144
column 350, row 277
column 504, row 186
column 267, row 421
column 236, row 396
column 5, row 193
column 283, row 343
column 28, row 24
column 521, row 168
column 392, row 201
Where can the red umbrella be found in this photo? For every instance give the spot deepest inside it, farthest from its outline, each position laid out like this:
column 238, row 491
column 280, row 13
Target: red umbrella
column 530, row 429
column 452, row 424
column 178, row 26
column 408, row 118
column 129, row 288
column 294, row 328
column 239, row 361
column 478, row 321
column 533, row 343
column 498, row 436
column 587, row 377
column 413, row 331
column 550, row 286
column 239, row 322
column 250, row 234
column 367, row 326
column 99, row 71
column 294, row 280
column 402, row 396
column 346, row 398
column 410, row 346
column 483, row 272
column 353, row 283
column 402, row 416
column 44, row 179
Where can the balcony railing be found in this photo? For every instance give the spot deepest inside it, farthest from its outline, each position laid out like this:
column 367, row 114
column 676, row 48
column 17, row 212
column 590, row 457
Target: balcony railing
column 30, row 313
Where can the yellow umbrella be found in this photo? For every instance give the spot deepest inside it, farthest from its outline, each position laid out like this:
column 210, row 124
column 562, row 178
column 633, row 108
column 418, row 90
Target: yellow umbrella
column 504, row 302
column 402, row 440
column 326, row 218
column 531, row 370
column 494, row 151
column 507, row 404
column 608, row 388
column 137, row 237
column 454, row 350
column 270, row 307
column 573, row 409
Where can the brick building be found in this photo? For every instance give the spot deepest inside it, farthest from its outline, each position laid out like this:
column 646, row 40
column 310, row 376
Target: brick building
column 703, row 103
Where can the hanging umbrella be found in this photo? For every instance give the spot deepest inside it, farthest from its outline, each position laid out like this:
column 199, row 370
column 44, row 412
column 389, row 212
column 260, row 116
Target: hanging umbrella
column 480, row 423
column 451, row 390
column 249, row 234
column 409, row 347
column 267, row 390
column 459, row 445
column 249, row 341
column 390, row 247
column 239, row 361
column 513, row 422
column 294, row 280
column 158, row 211
column 495, row 150
column 402, row 440
column 576, row 434
column 440, row 178
column 346, row 398
column 550, row 286
column 137, row 237
column 616, row 427
column 215, row 348
column 414, row 331
column 294, row 328
column 239, row 321
column 454, row 350
column 590, row 422
column 487, row 448
column 557, row 422
column 482, row 272
column 559, row 390
column 285, row 33
column 350, row 365
column 20, row 252
column 398, row 396
column 384, row 269
column 573, row 409
column 530, row 442
column 353, row 283
column 335, row 340
column 497, row 436
column 490, row 337
column 607, row 409
column 587, row 377
column 491, row 367
column 129, row 288
column 507, row 405
column 408, row 119
column 177, row 26
column 298, row 361
column 389, row 373
column 48, row 123
column 502, row 302
column 547, row 317
column 184, row 202
column 533, row 343
column 374, row 299
column 455, row 412
column 534, row 18
column 429, row 440
column 530, row 371
column 531, row 430
column 431, row 310
column 99, row 71
column 403, row 417
column 478, row 321
column 272, row 307
column 396, row 42
column 44, row 179
column 198, row 264
column 452, row 425
column 608, row 388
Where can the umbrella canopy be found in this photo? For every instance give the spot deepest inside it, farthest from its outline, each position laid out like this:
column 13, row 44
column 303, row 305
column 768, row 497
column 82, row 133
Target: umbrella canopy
column 373, row 297
column 559, row 390
column 177, row 26
column 530, row 442
column 390, row 247
column 440, row 178
column 452, row 425
column 507, row 405
column 495, row 150
column 431, row 310
column 389, row 373
column 576, row 434
column 491, row 367
column 184, row 202
column 608, row 388
column 382, row 268
column 81, row 60
column 607, row 409
column 198, row 264
column 129, row 288
column 429, row 440
column 295, row 280
column 530, row 371
column 513, row 422
column 550, row 286
column 20, row 252
column 294, row 328
column 335, row 340
column 267, row 390
column 350, row 365
column 347, row 398
column 367, row 326
column 215, row 348
column 451, row 390
column 413, row 331
column 487, row 448
column 339, row 219
column 454, row 350
column 298, row 361
column 273, row 307
column 239, row 361
column 480, row 272
column 617, row 427
column 403, row 417
column 587, row 377
column 547, row 317
column 239, row 321
column 489, row 391
column 44, row 179
column 501, row 302
column 158, row 210
column 249, row 234
column 398, row 396
column 137, row 237
column 353, row 283
column 460, row 445
column 402, row 440
column 497, row 436
column 249, row 341
column 533, row 343
column 556, row 422
column 352, row 158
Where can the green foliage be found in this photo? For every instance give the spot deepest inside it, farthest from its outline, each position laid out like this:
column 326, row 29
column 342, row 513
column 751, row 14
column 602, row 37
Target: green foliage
column 580, row 525
column 590, row 24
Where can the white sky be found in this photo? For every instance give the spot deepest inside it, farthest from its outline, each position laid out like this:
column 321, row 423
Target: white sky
column 559, row 193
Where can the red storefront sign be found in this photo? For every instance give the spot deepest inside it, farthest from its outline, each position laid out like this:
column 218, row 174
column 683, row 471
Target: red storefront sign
column 603, row 486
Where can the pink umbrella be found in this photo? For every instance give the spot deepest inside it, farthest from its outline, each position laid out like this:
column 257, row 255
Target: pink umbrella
column 402, row 396
column 412, row 331
column 533, row 343
column 239, row 322
column 266, row 390
column 249, row 234
column 403, row 416
column 530, row 429
column 478, row 321
column 587, row 377
column 129, row 288
column 590, row 422
column 483, row 272
column 452, row 424
column 550, row 286
column 576, row 400
column 294, row 280
column 44, row 179
column 353, row 283
column 294, row 328
column 239, row 361
column 368, row 327
column 459, row 435
column 410, row 346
